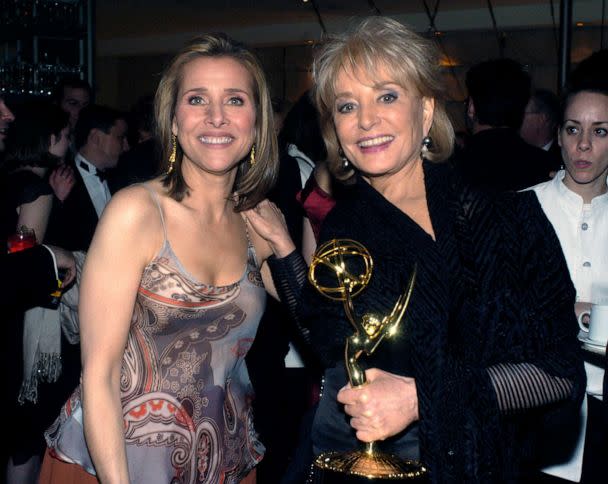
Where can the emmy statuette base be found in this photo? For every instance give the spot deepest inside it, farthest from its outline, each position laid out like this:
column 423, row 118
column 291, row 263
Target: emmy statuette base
column 359, row 466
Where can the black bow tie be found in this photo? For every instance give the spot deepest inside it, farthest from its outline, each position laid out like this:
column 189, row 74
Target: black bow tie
column 102, row 175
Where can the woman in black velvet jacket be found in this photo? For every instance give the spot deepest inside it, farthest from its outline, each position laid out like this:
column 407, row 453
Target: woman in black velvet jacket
column 488, row 342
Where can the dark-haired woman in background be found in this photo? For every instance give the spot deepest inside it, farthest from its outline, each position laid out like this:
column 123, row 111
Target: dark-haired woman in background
column 576, row 203
column 39, row 141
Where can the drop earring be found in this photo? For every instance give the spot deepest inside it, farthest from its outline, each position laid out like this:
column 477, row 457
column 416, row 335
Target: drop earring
column 345, row 162
column 252, row 156
column 427, row 144
column 173, row 155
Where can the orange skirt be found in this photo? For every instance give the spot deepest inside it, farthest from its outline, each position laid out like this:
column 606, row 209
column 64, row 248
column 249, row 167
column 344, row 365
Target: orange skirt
column 56, row 471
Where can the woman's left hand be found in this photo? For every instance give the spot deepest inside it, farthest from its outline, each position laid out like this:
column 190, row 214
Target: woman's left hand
column 269, row 222
column 381, row 408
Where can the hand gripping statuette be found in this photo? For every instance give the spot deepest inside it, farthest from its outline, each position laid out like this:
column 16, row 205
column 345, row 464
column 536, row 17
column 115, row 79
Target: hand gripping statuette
column 337, row 260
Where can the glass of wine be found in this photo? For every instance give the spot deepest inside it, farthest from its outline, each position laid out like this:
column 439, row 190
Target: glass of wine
column 22, row 239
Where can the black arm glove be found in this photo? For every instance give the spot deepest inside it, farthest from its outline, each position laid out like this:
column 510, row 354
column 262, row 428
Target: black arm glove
column 289, row 276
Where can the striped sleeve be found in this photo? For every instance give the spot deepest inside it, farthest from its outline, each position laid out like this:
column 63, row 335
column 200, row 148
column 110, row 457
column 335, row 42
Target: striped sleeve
column 520, row 386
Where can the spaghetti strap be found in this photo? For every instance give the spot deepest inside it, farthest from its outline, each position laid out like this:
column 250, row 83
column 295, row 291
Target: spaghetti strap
column 251, row 255
column 249, row 242
column 154, row 196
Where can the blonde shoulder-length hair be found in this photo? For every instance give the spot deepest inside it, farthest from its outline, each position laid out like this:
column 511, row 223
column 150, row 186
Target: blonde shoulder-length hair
column 410, row 60
column 252, row 181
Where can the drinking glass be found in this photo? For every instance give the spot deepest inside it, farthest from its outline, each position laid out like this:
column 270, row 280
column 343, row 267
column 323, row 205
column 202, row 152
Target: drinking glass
column 23, row 239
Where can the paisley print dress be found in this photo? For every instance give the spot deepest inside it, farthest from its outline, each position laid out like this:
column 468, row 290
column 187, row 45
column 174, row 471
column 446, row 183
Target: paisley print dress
column 186, row 394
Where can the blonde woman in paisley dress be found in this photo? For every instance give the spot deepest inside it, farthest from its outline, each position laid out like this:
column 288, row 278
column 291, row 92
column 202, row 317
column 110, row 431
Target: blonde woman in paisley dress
column 173, row 290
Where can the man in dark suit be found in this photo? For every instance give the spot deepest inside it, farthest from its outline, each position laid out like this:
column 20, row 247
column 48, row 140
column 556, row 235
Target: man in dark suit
column 496, row 158
column 28, row 279
column 142, row 162
column 539, row 127
column 100, row 139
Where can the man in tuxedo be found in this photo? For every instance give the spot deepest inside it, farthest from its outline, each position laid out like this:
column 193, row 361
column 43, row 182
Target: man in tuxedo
column 100, row 138
column 496, row 158
column 539, row 127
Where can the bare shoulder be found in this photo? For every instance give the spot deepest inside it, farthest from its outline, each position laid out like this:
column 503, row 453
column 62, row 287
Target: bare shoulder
column 133, row 215
column 135, row 204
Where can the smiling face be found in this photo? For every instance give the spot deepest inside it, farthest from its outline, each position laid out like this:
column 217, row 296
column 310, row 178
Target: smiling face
column 379, row 124
column 583, row 138
column 6, row 118
column 215, row 114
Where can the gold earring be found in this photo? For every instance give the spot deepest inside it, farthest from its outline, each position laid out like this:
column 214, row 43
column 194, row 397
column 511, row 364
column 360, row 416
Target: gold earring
column 252, row 156
column 173, row 154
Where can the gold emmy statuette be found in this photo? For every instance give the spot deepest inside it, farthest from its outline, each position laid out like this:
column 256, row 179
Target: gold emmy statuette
column 339, row 258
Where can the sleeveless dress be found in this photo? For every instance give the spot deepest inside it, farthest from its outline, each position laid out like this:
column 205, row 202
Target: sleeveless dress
column 185, row 390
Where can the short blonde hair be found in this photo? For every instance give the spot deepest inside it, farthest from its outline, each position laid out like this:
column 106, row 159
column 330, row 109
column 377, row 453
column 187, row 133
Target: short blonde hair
column 252, row 182
column 410, row 60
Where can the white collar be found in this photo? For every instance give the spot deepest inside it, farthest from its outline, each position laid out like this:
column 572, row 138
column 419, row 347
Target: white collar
column 570, row 196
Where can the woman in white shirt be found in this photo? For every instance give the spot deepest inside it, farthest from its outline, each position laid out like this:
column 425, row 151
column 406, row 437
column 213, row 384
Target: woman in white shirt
column 576, row 204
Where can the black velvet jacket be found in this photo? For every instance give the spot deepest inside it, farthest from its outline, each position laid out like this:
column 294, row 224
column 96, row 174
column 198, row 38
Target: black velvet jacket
column 493, row 288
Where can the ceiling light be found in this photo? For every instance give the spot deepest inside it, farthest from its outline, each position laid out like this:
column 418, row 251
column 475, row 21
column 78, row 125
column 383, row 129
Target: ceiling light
column 447, row 61
column 580, row 24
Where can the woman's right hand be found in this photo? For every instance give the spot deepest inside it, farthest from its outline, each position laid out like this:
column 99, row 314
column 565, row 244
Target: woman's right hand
column 383, row 407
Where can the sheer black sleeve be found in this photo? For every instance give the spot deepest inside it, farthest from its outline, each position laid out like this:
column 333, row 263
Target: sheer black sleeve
column 289, row 277
column 520, row 386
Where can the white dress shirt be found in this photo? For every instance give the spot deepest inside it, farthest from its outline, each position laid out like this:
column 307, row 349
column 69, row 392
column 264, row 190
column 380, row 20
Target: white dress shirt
column 98, row 190
column 582, row 230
